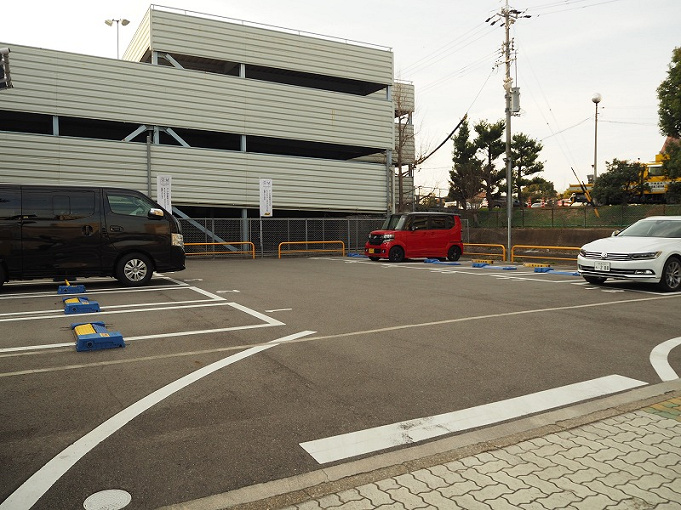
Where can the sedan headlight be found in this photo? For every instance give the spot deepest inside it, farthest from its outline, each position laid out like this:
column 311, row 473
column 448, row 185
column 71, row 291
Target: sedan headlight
column 646, row 255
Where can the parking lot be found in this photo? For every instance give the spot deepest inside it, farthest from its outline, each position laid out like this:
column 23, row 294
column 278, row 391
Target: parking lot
column 239, row 372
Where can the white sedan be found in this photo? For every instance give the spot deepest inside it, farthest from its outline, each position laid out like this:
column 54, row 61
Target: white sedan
column 647, row 251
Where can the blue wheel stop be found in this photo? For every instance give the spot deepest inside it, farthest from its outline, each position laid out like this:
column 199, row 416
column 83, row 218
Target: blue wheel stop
column 79, row 305
column 93, row 336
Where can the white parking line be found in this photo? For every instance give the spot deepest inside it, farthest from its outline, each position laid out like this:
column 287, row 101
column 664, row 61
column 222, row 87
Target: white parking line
column 267, row 322
column 42, row 480
column 344, row 446
column 659, row 359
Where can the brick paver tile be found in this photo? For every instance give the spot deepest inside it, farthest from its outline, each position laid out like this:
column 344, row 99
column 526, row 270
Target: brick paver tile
column 350, row 495
column 490, row 492
column 546, row 487
column 457, row 490
column 480, row 479
column 470, row 503
column 652, row 449
column 387, row 484
column 523, row 469
column 668, row 494
column 392, row 506
column 613, row 493
column 414, row 485
column 427, row 477
column 649, row 497
column 584, row 475
column 553, row 472
column 510, row 459
column 571, row 464
column 635, row 470
column 409, row 500
column 375, row 495
column 602, row 466
column 560, row 500
column 524, row 496
column 567, row 485
column 592, row 502
column 509, row 481
column 447, row 475
column 364, row 504
column 565, row 441
column 437, row 500
column 330, row 501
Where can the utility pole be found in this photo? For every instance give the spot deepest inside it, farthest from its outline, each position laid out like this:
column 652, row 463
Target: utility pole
column 508, row 83
column 509, row 16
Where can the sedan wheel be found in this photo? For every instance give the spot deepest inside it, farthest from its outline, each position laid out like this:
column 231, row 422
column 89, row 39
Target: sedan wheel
column 671, row 275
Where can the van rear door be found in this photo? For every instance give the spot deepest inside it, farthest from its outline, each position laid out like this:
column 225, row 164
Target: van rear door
column 61, row 232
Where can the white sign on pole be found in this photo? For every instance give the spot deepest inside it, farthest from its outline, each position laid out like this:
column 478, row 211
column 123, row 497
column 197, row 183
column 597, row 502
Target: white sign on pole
column 163, row 186
column 266, row 197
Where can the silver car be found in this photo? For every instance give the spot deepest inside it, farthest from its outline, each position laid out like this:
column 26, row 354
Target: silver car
column 647, row 251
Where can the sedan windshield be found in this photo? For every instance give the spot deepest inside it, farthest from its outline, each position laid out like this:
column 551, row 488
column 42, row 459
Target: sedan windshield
column 653, row 228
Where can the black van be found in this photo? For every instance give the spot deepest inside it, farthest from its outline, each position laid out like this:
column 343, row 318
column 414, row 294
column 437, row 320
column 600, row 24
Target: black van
column 69, row 231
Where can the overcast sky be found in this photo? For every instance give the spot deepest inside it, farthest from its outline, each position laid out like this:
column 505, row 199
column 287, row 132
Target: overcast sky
column 566, row 51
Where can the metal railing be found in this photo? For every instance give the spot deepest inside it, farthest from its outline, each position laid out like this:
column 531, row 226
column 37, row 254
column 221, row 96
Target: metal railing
column 486, row 253
column 549, row 252
column 311, row 250
column 228, row 245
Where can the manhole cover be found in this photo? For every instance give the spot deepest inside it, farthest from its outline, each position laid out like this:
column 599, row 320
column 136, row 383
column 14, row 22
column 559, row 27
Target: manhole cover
column 113, row 499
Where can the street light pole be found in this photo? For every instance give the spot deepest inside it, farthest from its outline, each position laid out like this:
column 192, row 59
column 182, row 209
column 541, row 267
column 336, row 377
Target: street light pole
column 596, row 99
column 118, row 22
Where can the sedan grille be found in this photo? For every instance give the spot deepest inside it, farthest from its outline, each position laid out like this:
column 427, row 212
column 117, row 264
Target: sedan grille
column 608, row 256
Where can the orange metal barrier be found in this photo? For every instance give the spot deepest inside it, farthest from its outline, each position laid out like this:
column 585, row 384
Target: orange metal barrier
column 502, row 254
column 323, row 250
column 542, row 257
column 251, row 250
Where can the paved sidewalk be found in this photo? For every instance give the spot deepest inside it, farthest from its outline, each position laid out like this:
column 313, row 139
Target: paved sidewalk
column 632, row 461
column 619, row 452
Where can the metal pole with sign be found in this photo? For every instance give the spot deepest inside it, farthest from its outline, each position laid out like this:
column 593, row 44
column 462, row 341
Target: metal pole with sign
column 265, row 207
column 163, row 191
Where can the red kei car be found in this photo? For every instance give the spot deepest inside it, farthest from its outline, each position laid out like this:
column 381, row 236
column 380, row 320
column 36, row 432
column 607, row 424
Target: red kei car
column 416, row 235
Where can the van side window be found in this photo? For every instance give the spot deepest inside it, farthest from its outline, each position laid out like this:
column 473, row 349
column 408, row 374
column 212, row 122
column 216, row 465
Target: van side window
column 46, row 205
column 438, row 222
column 129, row 205
column 10, row 205
column 420, row 223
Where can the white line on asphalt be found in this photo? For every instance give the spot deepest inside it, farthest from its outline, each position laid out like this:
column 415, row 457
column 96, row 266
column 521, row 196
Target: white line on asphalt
column 279, row 310
column 659, row 358
column 269, row 321
column 343, row 446
column 42, row 480
column 176, row 305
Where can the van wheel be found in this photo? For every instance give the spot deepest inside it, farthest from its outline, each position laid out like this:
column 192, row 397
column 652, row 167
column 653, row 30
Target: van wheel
column 595, row 280
column 134, row 270
column 374, row 259
column 396, row 254
column 454, row 253
column 671, row 275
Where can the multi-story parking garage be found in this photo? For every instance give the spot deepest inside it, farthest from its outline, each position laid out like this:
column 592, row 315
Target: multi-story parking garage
column 216, row 105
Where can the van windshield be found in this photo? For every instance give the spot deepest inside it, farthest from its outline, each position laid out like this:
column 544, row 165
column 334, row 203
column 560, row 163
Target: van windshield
column 395, row 222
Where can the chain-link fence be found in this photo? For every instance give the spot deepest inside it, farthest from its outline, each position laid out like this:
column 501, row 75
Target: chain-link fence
column 223, row 236
column 566, row 217
column 213, row 236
